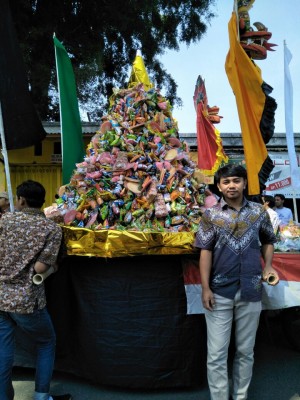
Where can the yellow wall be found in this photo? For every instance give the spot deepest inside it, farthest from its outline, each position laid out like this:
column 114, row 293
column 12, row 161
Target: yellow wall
column 27, row 155
column 48, row 175
column 25, row 165
column 2, row 178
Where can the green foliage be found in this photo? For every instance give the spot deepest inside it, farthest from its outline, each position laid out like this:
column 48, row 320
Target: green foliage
column 102, row 38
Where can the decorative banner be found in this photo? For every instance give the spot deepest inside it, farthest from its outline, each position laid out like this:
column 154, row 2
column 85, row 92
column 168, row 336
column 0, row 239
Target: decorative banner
column 256, row 109
column 71, row 131
column 210, row 149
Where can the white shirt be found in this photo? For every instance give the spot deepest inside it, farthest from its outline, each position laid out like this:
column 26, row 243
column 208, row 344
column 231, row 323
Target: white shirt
column 274, row 219
column 285, row 215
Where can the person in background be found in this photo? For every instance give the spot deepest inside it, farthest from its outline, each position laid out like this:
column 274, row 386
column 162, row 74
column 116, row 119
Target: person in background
column 285, row 214
column 29, row 244
column 229, row 237
column 268, row 203
column 4, row 203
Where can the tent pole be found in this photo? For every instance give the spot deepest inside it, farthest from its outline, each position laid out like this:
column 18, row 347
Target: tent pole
column 5, row 158
column 295, row 207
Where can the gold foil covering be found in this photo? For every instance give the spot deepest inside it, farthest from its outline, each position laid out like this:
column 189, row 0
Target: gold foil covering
column 113, row 243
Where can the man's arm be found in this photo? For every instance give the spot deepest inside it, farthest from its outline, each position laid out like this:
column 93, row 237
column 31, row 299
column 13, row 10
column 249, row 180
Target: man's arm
column 205, row 264
column 48, row 256
column 267, row 253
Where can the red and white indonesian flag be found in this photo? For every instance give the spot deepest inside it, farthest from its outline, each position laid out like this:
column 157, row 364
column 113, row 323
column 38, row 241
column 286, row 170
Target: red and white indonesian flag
column 285, row 294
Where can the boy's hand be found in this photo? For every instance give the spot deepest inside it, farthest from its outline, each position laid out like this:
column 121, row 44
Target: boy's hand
column 270, row 276
column 208, row 299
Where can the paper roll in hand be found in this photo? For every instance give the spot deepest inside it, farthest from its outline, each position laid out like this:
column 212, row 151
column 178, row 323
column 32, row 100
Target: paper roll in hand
column 39, row 278
column 271, row 279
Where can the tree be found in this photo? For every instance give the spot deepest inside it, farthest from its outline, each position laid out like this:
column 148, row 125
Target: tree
column 102, row 37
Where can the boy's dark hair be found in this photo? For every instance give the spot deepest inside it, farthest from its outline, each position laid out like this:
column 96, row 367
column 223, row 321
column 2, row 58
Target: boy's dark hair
column 282, row 196
column 270, row 200
column 230, row 170
column 33, row 192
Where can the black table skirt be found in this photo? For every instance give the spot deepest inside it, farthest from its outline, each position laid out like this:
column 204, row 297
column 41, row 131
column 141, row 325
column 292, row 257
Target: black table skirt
column 123, row 322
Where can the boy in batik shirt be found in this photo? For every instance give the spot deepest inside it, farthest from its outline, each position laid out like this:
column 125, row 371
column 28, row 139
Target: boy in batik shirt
column 229, row 236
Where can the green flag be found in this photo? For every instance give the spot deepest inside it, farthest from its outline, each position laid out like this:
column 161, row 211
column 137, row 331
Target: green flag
column 71, row 132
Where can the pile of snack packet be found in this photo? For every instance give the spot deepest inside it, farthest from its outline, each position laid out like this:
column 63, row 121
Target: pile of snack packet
column 289, row 238
column 137, row 173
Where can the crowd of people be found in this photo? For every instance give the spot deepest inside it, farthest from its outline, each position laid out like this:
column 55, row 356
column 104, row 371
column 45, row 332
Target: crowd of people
column 280, row 216
column 233, row 234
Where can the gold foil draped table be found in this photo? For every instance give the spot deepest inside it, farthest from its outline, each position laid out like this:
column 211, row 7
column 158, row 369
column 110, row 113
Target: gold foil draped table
column 113, row 243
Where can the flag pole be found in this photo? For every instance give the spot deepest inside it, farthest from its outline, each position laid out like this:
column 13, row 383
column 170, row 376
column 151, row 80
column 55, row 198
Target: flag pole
column 5, row 158
column 288, row 103
column 295, row 207
column 59, row 105
column 235, row 9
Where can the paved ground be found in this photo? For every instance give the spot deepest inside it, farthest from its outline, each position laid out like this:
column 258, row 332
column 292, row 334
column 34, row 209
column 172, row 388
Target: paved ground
column 276, row 376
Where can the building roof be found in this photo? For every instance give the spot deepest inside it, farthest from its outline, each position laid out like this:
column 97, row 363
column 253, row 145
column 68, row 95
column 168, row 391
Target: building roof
column 53, row 128
column 230, row 140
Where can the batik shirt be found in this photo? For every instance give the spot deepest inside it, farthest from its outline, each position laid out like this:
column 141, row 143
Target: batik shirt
column 25, row 237
column 234, row 237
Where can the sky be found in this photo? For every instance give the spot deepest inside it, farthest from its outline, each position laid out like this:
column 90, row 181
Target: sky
column 207, row 58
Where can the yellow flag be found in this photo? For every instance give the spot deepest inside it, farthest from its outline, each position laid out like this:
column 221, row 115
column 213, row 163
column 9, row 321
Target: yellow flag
column 246, row 82
column 139, row 74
